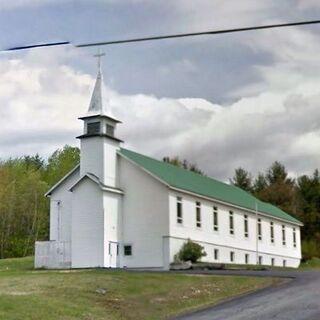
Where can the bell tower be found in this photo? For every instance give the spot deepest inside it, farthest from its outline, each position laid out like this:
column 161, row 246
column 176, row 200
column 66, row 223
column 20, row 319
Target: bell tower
column 98, row 143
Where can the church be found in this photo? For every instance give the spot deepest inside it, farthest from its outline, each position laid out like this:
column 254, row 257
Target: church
column 121, row 209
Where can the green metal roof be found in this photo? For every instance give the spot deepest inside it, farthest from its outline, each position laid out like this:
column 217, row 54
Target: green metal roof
column 204, row 186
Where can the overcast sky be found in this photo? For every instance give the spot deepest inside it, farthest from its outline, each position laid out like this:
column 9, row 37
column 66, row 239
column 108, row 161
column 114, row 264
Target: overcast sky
column 222, row 101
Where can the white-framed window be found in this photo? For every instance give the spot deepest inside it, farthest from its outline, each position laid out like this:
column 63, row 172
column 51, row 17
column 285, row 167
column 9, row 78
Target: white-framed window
column 246, row 226
column 232, row 256
column 179, row 211
column 216, row 254
column 284, row 263
column 231, row 222
column 260, row 260
column 215, row 219
column 259, row 229
column 127, row 250
column 294, row 237
column 271, row 232
column 283, row 235
column 198, row 214
column 246, row 258
column 272, row 261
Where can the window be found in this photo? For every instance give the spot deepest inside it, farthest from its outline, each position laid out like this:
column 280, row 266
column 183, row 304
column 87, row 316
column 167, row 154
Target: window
column 232, row 256
column 216, row 254
column 284, row 263
column 294, row 238
column 272, row 261
column 215, row 219
column 93, row 128
column 179, row 210
column 246, row 258
column 246, row 228
column 260, row 260
column 110, row 130
column 283, row 235
column 259, row 230
column 271, row 232
column 198, row 214
column 231, row 223
column 127, row 250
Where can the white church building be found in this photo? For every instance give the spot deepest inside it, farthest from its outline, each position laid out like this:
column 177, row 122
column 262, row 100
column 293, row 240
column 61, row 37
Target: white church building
column 121, row 209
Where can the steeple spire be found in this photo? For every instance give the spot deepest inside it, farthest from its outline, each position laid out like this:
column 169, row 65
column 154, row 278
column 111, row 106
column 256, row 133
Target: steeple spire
column 98, row 101
column 99, row 55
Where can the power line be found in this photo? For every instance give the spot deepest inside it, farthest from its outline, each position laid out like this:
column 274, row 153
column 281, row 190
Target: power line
column 39, row 45
column 193, row 34
column 170, row 36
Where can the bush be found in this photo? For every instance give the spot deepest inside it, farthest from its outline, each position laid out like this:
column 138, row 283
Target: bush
column 191, row 251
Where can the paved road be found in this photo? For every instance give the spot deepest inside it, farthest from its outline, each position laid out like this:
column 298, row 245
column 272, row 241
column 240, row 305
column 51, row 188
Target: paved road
column 298, row 299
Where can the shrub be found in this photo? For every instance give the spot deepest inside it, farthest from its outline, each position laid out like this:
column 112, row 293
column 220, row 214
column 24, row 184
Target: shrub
column 191, row 251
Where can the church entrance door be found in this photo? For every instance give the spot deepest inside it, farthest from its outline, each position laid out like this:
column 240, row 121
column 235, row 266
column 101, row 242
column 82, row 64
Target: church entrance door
column 114, row 254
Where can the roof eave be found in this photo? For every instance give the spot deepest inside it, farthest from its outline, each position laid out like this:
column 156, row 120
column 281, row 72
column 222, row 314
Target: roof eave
column 49, row 192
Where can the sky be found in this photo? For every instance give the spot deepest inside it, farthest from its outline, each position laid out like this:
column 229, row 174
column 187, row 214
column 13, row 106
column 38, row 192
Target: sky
column 224, row 101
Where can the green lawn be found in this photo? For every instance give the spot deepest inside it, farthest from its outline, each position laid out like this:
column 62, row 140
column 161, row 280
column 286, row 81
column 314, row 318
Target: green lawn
column 29, row 294
column 314, row 263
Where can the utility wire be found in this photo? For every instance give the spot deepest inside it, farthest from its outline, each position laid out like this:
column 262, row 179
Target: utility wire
column 39, row 45
column 170, row 36
column 193, row 34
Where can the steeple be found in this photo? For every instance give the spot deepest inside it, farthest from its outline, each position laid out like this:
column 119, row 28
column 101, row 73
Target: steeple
column 99, row 144
column 99, row 102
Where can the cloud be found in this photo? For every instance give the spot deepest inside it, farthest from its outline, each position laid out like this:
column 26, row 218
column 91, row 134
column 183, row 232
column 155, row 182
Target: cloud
column 9, row 5
column 274, row 118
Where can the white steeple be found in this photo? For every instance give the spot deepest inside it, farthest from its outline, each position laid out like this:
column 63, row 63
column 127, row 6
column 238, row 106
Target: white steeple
column 99, row 101
column 98, row 143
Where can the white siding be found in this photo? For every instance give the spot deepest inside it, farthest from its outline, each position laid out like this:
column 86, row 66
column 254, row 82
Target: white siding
column 223, row 240
column 98, row 156
column 87, row 226
column 145, row 217
column 61, row 210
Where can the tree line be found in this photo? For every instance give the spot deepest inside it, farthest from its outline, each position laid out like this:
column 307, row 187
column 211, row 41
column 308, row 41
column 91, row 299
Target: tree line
column 24, row 211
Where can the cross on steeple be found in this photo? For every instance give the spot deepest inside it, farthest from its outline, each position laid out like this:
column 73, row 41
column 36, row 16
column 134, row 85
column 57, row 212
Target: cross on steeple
column 98, row 56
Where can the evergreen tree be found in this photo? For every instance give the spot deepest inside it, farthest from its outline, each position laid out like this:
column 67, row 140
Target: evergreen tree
column 242, row 179
column 260, row 183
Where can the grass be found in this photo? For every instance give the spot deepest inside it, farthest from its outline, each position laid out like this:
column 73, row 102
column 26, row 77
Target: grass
column 313, row 263
column 41, row 294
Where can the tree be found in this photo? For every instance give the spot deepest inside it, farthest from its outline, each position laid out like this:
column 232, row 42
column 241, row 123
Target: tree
column 280, row 189
column 60, row 163
column 191, row 251
column 260, row 183
column 308, row 190
column 242, row 179
column 23, row 208
column 277, row 174
column 185, row 164
column 35, row 162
